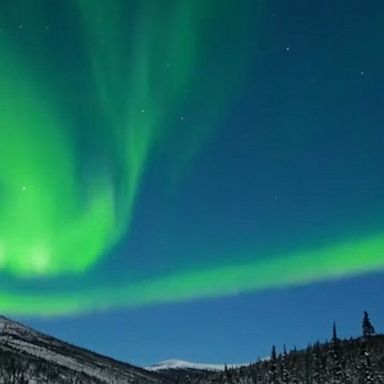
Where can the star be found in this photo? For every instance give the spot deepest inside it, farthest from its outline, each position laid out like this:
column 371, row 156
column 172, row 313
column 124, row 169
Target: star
column 24, row 188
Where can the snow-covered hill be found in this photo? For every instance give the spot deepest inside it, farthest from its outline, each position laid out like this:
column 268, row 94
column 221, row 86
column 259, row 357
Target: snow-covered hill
column 39, row 356
column 183, row 365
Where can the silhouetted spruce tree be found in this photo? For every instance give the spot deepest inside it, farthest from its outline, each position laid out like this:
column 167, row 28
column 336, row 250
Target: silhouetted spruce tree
column 334, row 333
column 285, row 374
column 228, row 374
column 368, row 329
column 317, row 365
column 294, row 367
column 272, row 374
column 335, row 368
column 308, row 364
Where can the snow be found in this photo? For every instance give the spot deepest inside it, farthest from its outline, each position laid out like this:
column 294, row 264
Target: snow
column 182, row 364
column 28, row 342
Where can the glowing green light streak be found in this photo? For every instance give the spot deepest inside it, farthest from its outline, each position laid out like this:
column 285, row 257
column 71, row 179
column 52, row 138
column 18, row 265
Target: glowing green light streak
column 345, row 259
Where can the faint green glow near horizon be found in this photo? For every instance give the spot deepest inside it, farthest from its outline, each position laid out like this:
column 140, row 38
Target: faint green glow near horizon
column 342, row 260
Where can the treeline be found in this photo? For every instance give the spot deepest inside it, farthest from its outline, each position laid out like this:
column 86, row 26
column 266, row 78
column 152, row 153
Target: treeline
column 353, row 361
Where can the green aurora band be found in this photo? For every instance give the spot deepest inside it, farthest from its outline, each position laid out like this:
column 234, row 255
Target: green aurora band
column 63, row 209
column 298, row 268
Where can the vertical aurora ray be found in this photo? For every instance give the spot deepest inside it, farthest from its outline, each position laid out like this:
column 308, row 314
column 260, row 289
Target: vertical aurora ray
column 139, row 84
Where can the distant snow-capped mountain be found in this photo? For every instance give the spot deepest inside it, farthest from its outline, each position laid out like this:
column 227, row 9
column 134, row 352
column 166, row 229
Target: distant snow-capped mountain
column 175, row 364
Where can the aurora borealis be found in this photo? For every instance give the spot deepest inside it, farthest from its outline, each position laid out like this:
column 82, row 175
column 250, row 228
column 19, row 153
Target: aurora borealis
column 157, row 152
column 59, row 202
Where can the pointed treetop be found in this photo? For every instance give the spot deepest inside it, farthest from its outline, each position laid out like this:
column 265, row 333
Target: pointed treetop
column 273, row 353
column 368, row 328
column 334, row 332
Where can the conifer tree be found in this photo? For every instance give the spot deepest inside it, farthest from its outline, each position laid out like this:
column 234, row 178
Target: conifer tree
column 334, row 333
column 335, row 368
column 368, row 329
column 295, row 371
column 285, row 374
column 272, row 374
column 317, row 367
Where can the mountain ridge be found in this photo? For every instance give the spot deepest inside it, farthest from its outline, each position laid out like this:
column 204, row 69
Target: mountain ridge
column 183, row 364
column 27, row 349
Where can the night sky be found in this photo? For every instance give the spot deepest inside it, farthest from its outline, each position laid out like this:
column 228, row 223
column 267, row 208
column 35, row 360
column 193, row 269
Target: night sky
column 193, row 179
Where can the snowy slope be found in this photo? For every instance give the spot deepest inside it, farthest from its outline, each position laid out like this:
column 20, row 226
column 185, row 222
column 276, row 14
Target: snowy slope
column 174, row 364
column 30, row 345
